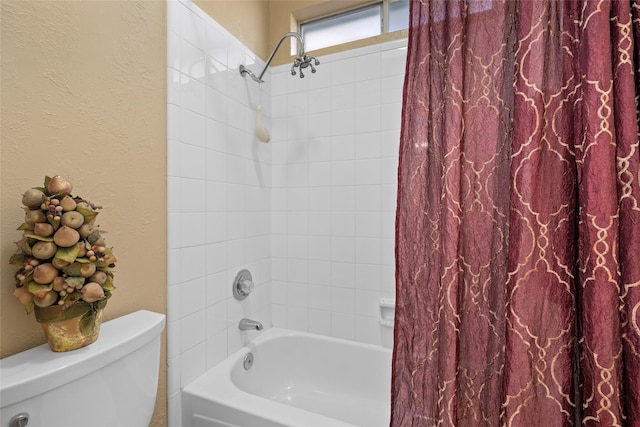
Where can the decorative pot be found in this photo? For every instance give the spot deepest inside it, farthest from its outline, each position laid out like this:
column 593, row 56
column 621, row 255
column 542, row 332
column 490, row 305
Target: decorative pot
column 71, row 328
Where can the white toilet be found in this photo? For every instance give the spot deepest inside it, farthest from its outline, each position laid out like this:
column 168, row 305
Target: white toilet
column 112, row 382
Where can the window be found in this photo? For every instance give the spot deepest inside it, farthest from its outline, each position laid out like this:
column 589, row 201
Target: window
column 398, row 16
column 367, row 21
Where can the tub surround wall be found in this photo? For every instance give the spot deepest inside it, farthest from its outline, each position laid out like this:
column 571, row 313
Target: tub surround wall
column 311, row 214
column 218, row 196
column 334, row 161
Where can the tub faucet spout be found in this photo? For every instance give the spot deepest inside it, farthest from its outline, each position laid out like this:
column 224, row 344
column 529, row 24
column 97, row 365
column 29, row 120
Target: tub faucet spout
column 250, row 325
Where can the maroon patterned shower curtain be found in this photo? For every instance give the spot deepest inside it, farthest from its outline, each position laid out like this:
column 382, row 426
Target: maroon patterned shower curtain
column 518, row 220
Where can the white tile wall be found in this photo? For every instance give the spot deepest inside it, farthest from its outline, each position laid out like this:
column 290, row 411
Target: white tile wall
column 218, row 196
column 311, row 214
column 334, row 163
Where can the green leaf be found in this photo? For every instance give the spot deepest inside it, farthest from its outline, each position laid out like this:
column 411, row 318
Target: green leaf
column 17, row 260
column 74, row 281
column 68, row 255
column 25, row 226
column 88, row 323
column 108, row 284
column 28, row 307
column 88, row 214
column 47, row 180
column 36, row 237
column 94, row 235
column 25, row 247
column 35, row 288
column 73, row 269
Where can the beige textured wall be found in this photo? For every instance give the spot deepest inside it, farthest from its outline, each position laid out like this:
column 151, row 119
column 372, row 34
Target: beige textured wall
column 83, row 87
column 247, row 20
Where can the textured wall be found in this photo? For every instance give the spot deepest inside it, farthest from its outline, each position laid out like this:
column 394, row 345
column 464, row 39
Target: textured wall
column 247, row 20
column 84, row 96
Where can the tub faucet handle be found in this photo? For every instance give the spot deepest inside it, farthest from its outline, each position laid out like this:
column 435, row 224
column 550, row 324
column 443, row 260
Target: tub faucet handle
column 20, row 420
column 243, row 285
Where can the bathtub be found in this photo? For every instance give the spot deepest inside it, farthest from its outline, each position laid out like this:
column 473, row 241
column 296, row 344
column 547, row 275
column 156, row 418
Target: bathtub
column 297, row 379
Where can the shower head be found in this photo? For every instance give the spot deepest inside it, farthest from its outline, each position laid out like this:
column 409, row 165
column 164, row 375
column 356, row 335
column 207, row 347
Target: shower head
column 302, row 61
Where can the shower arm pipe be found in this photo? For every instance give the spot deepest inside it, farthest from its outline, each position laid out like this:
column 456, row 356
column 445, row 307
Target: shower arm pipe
column 244, row 70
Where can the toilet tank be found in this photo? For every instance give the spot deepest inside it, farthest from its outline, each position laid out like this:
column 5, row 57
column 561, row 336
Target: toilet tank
column 112, row 382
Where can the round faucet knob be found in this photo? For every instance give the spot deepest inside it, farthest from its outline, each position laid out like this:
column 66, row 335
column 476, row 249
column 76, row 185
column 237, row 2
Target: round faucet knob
column 243, row 285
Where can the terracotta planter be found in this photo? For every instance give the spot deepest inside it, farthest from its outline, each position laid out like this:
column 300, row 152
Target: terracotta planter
column 73, row 328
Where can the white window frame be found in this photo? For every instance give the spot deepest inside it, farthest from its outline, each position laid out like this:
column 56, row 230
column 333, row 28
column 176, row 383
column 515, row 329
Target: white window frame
column 384, row 17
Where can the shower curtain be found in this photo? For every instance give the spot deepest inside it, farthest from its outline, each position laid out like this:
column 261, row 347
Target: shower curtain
column 518, row 219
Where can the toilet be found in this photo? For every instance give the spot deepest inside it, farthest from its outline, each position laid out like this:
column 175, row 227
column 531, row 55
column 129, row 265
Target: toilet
column 112, row 382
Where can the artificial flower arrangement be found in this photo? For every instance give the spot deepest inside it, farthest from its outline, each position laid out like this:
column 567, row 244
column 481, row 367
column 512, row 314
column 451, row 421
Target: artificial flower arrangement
column 62, row 259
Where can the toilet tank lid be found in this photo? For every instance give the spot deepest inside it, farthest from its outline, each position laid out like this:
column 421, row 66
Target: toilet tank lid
column 38, row 370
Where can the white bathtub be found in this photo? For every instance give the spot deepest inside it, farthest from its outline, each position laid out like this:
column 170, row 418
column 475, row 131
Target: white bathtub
column 297, row 379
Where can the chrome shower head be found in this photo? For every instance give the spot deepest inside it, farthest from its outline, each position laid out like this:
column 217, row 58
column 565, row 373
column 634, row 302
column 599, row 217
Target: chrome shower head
column 303, row 61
